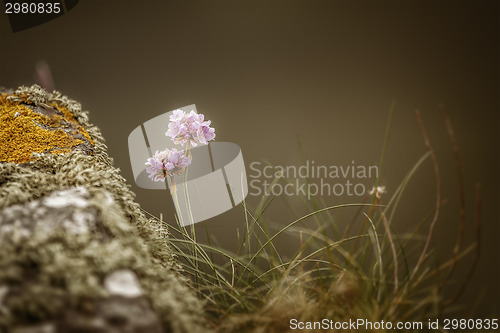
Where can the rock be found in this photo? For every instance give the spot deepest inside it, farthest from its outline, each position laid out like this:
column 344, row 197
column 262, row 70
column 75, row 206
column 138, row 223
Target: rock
column 76, row 252
column 122, row 283
column 30, row 128
column 44, row 328
column 67, row 211
column 114, row 315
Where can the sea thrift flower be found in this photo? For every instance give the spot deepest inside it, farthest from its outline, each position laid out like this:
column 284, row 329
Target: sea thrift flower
column 168, row 162
column 378, row 191
column 191, row 128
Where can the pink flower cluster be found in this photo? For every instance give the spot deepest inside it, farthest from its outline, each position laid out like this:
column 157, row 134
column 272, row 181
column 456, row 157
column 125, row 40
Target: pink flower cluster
column 190, row 127
column 168, row 162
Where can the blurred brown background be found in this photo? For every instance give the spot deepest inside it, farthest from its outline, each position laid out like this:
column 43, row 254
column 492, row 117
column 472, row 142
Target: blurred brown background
column 272, row 74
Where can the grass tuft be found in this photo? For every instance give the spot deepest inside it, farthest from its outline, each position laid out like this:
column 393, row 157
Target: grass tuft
column 374, row 274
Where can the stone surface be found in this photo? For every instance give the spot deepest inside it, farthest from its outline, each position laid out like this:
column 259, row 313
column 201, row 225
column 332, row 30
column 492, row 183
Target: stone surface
column 31, row 127
column 124, row 283
column 68, row 245
column 67, row 211
column 114, row 315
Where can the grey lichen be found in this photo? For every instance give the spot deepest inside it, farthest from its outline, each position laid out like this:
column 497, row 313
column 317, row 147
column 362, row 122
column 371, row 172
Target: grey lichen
column 68, row 225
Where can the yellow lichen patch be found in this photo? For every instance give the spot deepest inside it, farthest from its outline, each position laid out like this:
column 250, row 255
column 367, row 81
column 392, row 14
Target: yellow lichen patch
column 71, row 118
column 23, row 132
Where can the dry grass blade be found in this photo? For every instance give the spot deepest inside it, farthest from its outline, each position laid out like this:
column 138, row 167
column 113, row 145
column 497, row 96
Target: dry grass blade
column 478, row 248
column 454, row 146
column 393, row 249
column 423, row 255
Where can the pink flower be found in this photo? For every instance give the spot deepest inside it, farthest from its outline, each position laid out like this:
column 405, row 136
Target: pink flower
column 168, row 162
column 190, row 127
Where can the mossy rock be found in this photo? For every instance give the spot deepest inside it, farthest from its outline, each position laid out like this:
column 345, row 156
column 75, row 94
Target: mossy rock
column 76, row 251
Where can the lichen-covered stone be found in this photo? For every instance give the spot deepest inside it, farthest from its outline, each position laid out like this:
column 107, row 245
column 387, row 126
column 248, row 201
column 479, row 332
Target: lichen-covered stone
column 53, row 246
column 30, row 128
column 76, row 252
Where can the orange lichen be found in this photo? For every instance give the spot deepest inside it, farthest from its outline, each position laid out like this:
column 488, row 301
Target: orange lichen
column 67, row 114
column 24, row 131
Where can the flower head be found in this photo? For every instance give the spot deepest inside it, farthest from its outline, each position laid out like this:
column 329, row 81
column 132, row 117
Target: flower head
column 168, row 162
column 190, row 127
column 378, row 191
